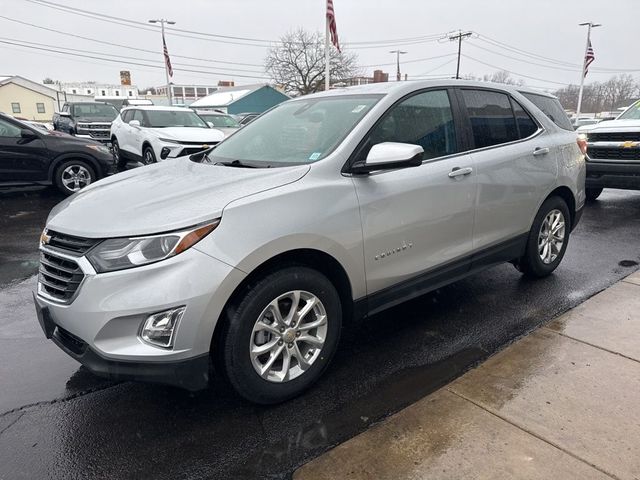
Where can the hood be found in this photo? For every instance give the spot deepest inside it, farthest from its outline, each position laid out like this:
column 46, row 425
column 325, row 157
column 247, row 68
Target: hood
column 226, row 131
column 616, row 126
column 162, row 197
column 94, row 119
column 190, row 134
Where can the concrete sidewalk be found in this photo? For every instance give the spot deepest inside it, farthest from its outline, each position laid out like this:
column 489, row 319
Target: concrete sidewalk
column 561, row 403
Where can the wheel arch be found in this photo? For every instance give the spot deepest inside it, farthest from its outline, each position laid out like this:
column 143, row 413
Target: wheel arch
column 60, row 159
column 307, row 257
column 566, row 194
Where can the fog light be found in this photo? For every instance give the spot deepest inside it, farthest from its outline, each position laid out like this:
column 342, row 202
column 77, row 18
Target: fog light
column 159, row 328
column 164, row 153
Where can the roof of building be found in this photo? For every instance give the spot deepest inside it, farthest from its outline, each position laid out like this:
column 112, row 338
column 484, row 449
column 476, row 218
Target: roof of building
column 30, row 84
column 225, row 96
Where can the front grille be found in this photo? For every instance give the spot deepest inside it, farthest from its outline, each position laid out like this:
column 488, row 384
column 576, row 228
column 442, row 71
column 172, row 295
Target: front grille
column 614, row 153
column 99, row 134
column 70, row 243
column 198, row 143
column 614, row 137
column 70, row 341
column 59, row 277
column 192, row 150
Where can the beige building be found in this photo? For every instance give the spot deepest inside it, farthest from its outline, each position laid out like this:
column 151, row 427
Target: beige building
column 26, row 99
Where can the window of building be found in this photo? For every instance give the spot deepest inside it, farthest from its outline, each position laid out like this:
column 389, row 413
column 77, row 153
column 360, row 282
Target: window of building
column 178, row 92
column 202, row 92
column 8, row 129
column 40, row 107
column 189, row 92
column 211, row 90
column 15, row 108
column 424, row 119
column 492, row 120
column 73, row 90
column 89, row 91
column 117, row 92
column 103, row 93
column 130, row 93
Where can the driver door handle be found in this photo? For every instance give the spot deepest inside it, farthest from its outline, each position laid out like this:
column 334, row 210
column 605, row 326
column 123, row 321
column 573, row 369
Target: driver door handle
column 458, row 172
column 540, row 151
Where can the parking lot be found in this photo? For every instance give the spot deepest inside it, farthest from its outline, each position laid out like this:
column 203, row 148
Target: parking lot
column 57, row 420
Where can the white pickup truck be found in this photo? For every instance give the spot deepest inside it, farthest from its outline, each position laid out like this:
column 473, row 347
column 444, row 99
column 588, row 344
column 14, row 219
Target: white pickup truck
column 613, row 153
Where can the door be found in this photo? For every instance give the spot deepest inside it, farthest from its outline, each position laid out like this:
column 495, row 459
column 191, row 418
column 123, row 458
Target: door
column 135, row 133
column 21, row 159
column 515, row 161
column 416, row 219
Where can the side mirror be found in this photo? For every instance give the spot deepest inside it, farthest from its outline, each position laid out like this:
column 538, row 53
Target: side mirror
column 64, row 114
column 28, row 134
column 135, row 123
column 390, row 155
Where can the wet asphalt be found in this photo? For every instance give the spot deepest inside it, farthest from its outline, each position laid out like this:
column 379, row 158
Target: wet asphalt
column 57, row 420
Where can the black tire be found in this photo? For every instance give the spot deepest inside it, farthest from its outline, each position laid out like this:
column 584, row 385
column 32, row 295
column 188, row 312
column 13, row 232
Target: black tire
column 236, row 336
column 115, row 148
column 148, row 156
column 86, row 173
column 592, row 194
column 531, row 263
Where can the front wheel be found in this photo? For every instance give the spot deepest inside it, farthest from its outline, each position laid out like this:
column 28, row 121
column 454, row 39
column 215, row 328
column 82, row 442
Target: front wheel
column 73, row 175
column 548, row 239
column 148, row 157
column 281, row 335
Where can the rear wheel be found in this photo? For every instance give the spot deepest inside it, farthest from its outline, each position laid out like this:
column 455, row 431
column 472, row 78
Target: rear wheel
column 73, row 175
column 593, row 193
column 280, row 337
column 548, row 239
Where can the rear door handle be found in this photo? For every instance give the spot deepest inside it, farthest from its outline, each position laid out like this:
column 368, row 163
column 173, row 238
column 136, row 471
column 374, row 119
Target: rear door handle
column 540, row 151
column 458, row 172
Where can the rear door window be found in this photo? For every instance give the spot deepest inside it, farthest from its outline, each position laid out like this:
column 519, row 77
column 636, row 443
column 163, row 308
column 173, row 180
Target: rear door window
column 492, row 119
column 551, row 108
column 126, row 116
column 526, row 125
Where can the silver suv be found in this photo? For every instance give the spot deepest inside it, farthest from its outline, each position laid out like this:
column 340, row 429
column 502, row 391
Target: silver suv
column 328, row 207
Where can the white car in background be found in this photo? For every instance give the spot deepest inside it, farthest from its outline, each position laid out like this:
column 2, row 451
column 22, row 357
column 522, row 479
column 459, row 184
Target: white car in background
column 149, row 134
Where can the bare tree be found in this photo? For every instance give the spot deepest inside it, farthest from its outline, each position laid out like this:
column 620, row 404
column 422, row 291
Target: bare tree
column 618, row 91
column 297, row 63
column 501, row 76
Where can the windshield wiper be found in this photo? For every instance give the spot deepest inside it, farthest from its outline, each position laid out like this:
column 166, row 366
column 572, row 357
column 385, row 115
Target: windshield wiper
column 236, row 163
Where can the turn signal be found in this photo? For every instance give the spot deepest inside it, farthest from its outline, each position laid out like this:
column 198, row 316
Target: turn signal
column 582, row 143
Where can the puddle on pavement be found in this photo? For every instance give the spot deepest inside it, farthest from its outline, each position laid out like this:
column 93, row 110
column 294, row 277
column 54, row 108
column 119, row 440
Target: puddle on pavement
column 12, row 271
column 391, row 395
column 628, row 263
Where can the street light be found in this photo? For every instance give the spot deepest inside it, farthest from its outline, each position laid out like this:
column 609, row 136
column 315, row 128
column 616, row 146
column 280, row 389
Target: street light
column 590, row 25
column 398, row 53
column 162, row 21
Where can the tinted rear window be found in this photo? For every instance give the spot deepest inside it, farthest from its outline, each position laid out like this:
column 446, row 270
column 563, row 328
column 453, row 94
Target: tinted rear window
column 551, row 108
column 492, row 120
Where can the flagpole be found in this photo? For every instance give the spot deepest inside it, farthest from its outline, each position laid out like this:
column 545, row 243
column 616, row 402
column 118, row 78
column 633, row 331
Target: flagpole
column 327, row 56
column 590, row 25
column 166, row 67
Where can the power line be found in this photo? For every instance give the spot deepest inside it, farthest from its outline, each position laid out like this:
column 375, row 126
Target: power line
column 459, row 37
column 514, row 73
column 127, row 62
column 128, row 47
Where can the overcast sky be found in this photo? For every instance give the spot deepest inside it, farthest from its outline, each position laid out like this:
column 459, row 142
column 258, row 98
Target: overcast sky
column 544, row 27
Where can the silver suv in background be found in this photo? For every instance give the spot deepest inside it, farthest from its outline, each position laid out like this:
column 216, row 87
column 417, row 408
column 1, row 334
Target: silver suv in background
column 328, row 207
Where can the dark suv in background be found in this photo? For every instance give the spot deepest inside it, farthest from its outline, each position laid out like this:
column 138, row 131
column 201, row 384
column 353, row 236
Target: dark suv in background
column 86, row 119
column 31, row 156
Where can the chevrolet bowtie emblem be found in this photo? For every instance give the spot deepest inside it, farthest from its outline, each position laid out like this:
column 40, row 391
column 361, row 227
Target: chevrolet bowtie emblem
column 630, row 144
column 44, row 238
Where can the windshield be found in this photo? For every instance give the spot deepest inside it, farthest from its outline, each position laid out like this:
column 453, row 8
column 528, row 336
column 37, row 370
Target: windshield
column 99, row 110
column 174, row 118
column 296, row 132
column 631, row 113
column 220, row 120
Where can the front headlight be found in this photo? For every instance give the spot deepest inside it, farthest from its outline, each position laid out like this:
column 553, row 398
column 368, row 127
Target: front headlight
column 168, row 140
column 100, row 148
column 122, row 253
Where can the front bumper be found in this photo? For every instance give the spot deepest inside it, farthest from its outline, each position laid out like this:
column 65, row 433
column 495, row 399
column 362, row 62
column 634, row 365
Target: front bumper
column 613, row 175
column 100, row 327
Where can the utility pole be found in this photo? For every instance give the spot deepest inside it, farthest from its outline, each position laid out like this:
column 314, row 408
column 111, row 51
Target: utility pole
column 162, row 21
column 459, row 37
column 398, row 53
column 590, row 25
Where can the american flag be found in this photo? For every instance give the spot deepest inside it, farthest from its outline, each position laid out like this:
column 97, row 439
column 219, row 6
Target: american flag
column 167, row 60
column 588, row 58
column 331, row 18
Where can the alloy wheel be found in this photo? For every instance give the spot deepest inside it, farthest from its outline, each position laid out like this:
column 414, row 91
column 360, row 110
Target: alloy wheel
column 551, row 236
column 75, row 177
column 288, row 336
